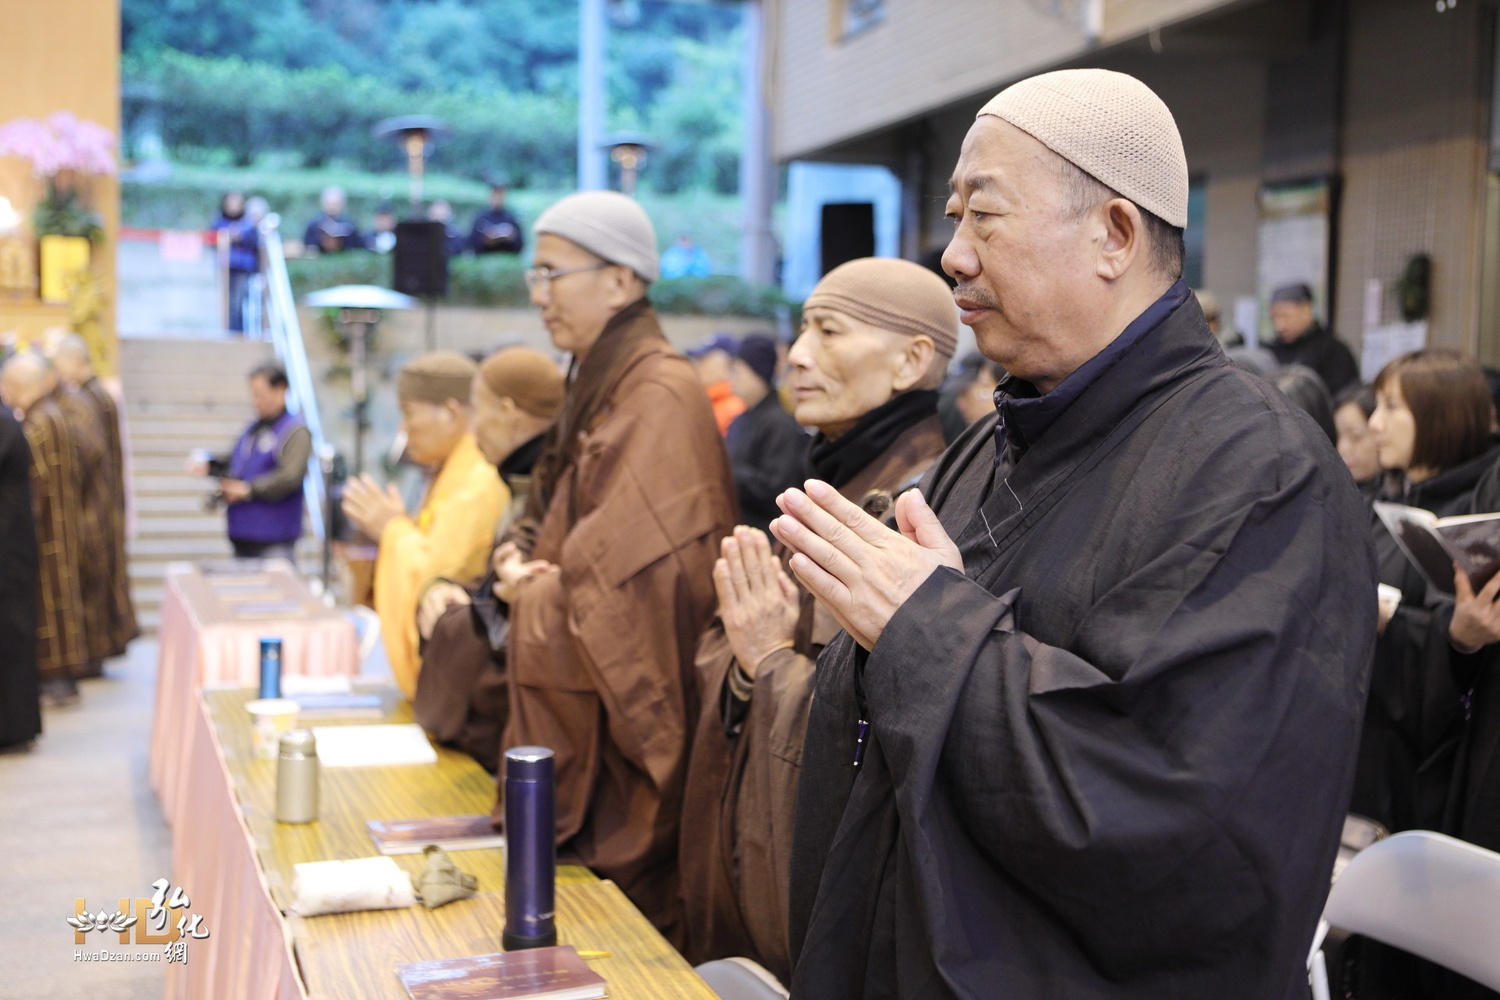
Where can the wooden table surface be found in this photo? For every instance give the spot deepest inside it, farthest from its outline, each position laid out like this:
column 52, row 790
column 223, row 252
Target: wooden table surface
column 354, row 955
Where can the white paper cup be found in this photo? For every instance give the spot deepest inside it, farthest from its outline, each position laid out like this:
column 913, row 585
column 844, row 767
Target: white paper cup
column 273, row 717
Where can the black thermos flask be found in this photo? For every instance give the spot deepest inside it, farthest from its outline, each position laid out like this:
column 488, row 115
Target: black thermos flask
column 530, row 848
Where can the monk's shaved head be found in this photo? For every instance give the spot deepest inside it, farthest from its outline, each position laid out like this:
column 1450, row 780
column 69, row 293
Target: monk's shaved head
column 72, row 360
column 26, row 378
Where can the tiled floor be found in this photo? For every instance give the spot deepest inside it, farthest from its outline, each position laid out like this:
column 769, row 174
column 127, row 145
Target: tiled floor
column 78, row 818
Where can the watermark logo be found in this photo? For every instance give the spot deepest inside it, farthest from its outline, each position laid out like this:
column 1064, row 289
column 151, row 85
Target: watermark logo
column 150, row 923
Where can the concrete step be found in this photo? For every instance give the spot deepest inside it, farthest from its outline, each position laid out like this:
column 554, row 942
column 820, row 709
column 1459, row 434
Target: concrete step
column 165, row 485
column 197, row 405
column 144, row 355
column 157, row 465
column 174, row 549
column 147, row 596
column 188, row 396
column 201, row 424
column 168, row 503
column 161, row 527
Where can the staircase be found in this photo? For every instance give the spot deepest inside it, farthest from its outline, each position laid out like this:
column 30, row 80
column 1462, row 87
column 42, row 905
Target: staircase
column 179, row 395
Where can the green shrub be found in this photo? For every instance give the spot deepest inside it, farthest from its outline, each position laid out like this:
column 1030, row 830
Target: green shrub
column 217, row 109
column 716, row 295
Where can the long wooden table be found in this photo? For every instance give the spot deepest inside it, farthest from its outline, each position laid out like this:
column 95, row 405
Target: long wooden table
column 354, row 955
column 210, row 634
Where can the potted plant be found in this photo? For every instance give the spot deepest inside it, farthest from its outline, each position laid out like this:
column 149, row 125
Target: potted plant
column 64, row 151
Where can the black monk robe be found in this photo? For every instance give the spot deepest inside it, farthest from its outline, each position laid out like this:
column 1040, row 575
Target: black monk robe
column 1111, row 758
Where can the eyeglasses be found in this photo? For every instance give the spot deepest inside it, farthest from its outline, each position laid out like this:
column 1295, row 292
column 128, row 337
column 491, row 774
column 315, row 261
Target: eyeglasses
column 537, row 277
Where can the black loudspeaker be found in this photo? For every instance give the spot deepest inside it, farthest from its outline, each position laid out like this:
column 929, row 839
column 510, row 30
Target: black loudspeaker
column 421, row 259
column 848, row 233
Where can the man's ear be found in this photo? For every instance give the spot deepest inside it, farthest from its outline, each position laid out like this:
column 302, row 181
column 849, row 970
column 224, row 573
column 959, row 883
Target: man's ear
column 916, row 359
column 1124, row 238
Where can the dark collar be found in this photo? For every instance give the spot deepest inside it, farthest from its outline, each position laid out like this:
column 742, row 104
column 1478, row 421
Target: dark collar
column 1025, row 415
column 521, row 461
column 1453, row 482
column 268, row 421
column 837, row 462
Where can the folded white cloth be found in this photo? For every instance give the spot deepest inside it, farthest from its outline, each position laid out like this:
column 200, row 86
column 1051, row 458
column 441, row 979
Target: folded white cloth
column 345, row 886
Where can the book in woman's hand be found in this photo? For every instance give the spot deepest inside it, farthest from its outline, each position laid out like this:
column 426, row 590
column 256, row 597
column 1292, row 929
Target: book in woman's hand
column 1434, row 544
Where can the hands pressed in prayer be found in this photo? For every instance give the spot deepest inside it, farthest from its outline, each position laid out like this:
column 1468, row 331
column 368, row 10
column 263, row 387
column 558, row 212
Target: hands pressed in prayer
column 860, row 569
column 234, row 490
column 512, row 569
column 1476, row 617
column 370, row 507
column 439, row 598
column 757, row 601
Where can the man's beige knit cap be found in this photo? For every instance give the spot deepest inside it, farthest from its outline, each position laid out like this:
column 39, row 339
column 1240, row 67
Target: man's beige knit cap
column 894, row 295
column 1112, row 127
column 608, row 225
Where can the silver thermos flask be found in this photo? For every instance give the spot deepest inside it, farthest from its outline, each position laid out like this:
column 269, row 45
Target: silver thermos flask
column 297, row 778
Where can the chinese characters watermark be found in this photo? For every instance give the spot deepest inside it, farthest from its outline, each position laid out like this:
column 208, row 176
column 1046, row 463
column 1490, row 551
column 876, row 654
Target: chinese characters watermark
column 150, row 922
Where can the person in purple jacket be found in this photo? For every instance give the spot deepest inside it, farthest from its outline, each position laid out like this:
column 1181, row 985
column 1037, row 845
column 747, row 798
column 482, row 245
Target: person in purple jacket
column 261, row 478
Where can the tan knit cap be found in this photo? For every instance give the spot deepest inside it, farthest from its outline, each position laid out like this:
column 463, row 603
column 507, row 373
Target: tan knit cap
column 894, row 295
column 527, row 376
column 608, row 225
column 1112, row 127
column 436, row 377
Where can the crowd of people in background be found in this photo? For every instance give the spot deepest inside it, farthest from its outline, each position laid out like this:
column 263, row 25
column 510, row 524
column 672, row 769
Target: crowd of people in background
column 334, row 230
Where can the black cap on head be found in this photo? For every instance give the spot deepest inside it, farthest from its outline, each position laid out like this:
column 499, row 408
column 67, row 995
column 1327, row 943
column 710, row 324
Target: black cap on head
column 1299, row 293
column 758, row 352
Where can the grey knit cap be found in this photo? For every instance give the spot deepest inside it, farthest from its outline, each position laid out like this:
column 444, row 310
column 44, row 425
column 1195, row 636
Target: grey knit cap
column 1109, row 125
column 608, row 225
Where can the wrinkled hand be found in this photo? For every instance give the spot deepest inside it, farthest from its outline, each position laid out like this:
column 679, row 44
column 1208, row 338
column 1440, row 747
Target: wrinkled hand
column 857, row 567
column 438, row 599
column 370, row 507
column 234, row 490
column 513, row 569
column 758, row 602
column 1476, row 617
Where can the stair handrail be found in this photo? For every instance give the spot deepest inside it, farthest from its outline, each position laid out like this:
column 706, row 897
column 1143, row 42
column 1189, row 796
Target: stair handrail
column 285, row 333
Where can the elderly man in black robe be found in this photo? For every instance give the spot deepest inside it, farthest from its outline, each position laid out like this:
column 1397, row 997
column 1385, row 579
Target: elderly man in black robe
column 1091, row 729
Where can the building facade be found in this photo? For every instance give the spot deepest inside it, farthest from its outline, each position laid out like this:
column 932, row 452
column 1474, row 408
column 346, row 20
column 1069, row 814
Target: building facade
column 1331, row 141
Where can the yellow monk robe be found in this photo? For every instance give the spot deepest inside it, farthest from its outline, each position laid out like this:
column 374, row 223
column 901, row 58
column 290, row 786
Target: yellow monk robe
column 451, row 537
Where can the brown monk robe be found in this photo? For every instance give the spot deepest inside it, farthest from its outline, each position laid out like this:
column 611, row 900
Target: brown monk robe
column 75, row 367
column 91, row 526
column 29, row 386
column 747, row 751
column 636, row 494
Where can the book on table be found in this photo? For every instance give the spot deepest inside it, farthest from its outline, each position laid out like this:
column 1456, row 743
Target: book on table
column 533, row 974
column 382, row 745
column 339, row 704
column 451, row 833
column 1434, row 544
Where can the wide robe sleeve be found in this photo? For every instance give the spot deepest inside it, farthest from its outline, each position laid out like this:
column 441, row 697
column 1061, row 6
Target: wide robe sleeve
column 1115, row 782
column 460, row 525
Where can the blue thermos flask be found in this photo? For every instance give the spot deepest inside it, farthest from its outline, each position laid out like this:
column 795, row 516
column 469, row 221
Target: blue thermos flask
column 530, row 848
column 270, row 668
